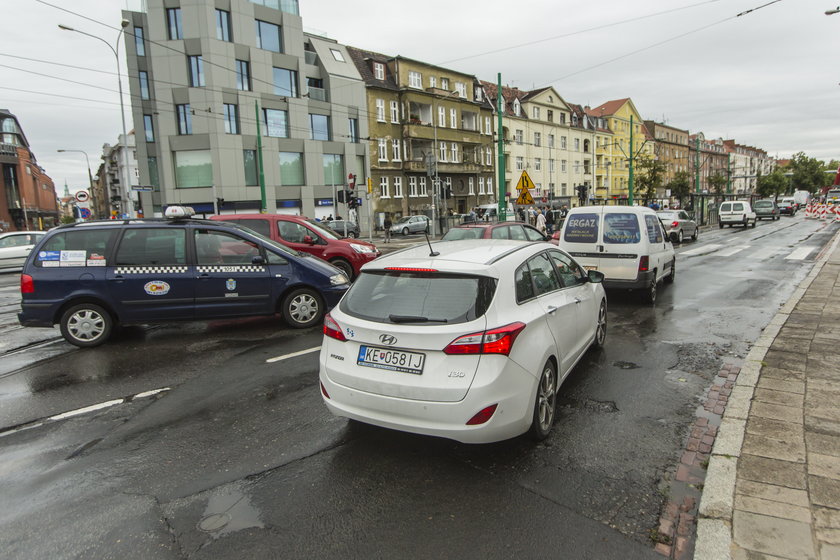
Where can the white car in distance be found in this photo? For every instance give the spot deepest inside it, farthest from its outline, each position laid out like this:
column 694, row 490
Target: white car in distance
column 467, row 340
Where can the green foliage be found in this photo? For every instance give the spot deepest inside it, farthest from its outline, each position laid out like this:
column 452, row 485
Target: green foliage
column 717, row 183
column 773, row 185
column 650, row 178
column 808, row 173
column 680, row 186
column 68, row 220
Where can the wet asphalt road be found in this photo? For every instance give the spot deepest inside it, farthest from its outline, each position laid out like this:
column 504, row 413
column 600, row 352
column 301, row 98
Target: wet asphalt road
column 238, row 458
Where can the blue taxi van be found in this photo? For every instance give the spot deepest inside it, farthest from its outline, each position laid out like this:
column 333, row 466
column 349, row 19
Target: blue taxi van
column 89, row 276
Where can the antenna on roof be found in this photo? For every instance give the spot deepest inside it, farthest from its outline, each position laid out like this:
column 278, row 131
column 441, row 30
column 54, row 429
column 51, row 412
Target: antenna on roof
column 432, row 252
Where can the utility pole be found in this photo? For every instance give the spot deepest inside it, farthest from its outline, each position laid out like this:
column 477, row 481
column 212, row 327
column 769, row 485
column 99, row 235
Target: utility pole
column 728, row 173
column 263, row 206
column 502, row 210
column 632, row 157
column 697, row 164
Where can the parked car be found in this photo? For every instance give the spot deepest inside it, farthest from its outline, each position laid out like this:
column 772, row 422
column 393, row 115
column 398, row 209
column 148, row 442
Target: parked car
column 627, row 243
column 787, row 205
column 470, row 343
column 411, row 224
column 495, row 230
column 340, row 226
column 15, row 247
column 736, row 212
column 89, row 277
column 766, row 208
column 308, row 236
column 678, row 225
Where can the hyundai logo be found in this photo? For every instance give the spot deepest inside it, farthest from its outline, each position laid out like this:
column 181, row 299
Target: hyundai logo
column 388, row 339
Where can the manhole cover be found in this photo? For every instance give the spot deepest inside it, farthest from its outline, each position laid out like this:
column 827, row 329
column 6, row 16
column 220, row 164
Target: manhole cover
column 214, row 522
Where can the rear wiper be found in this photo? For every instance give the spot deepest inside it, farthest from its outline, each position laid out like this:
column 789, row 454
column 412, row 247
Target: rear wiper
column 414, row 319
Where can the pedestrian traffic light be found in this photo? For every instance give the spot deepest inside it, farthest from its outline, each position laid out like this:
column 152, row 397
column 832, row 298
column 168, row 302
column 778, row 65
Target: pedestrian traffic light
column 352, row 183
column 340, row 196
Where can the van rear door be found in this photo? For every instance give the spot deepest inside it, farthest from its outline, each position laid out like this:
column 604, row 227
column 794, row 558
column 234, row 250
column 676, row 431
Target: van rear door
column 622, row 245
column 581, row 236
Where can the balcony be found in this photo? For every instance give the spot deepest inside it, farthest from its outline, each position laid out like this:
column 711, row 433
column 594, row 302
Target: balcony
column 318, row 94
column 310, row 57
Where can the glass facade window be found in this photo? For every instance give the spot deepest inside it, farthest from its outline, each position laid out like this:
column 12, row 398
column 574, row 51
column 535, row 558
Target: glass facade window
column 154, row 177
column 354, row 130
column 319, row 125
column 173, row 23
column 139, row 43
column 291, row 169
column 184, row 119
column 243, row 75
column 250, row 159
column 231, row 112
column 268, row 36
column 193, row 169
column 223, row 25
column 149, row 128
column 144, row 84
column 333, row 169
column 285, row 82
column 276, row 123
column 196, row 64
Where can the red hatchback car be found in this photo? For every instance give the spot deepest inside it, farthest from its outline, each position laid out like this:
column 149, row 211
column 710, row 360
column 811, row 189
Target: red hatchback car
column 308, row 236
column 495, row 230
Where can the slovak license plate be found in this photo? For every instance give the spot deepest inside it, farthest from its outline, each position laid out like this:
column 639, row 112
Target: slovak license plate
column 390, row 359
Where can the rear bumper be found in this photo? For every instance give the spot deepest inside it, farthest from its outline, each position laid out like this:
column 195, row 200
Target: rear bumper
column 641, row 281
column 39, row 314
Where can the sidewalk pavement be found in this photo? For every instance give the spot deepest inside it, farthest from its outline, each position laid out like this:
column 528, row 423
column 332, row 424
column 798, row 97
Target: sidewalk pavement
column 773, row 484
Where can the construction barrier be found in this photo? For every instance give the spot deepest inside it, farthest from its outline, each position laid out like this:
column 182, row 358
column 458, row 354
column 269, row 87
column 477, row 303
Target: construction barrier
column 809, row 210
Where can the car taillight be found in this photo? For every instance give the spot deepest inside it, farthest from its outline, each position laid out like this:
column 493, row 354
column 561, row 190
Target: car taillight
column 483, row 415
column 675, row 224
column 494, row 341
column 27, row 285
column 324, row 391
column 332, row 330
column 644, row 263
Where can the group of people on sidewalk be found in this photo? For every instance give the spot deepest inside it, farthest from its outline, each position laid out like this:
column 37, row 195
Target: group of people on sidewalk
column 543, row 218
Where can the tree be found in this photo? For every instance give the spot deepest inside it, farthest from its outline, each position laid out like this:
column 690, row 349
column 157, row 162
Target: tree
column 651, row 174
column 680, row 186
column 808, row 173
column 772, row 185
column 717, row 182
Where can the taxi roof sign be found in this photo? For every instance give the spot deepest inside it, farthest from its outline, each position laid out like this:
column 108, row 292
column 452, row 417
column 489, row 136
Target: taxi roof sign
column 179, row 212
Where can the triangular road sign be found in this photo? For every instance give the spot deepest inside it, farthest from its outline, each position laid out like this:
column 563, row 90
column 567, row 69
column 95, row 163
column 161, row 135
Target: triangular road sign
column 525, row 183
column 525, row 198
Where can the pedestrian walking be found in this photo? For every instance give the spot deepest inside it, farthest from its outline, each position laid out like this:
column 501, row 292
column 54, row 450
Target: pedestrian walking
column 387, row 225
column 540, row 222
column 549, row 221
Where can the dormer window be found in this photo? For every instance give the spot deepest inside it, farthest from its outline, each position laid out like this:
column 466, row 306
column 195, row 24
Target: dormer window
column 517, row 108
column 378, row 70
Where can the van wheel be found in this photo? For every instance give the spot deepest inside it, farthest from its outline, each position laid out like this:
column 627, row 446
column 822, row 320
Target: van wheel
column 302, row 308
column 545, row 403
column 649, row 293
column 673, row 275
column 86, row 325
column 721, row 225
column 753, row 223
column 345, row 267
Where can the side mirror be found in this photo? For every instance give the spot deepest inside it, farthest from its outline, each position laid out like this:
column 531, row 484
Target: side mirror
column 595, row 276
column 258, row 259
column 308, row 239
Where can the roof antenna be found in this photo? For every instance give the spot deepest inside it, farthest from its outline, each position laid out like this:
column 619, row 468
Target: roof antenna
column 432, row 252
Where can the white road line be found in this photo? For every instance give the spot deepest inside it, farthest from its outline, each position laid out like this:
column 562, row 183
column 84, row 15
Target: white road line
column 800, row 253
column 732, row 251
column 762, row 254
column 292, row 355
column 701, row 250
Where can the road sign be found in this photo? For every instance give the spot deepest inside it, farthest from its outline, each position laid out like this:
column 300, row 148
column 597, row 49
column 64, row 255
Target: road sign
column 525, row 183
column 82, row 196
column 84, row 213
column 142, row 188
column 525, row 198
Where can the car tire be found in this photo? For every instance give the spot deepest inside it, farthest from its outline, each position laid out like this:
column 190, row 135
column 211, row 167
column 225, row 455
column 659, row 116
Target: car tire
column 680, row 236
column 753, row 223
column 302, row 308
column 86, row 325
column 673, row 274
column 405, row 231
column 345, row 267
column 601, row 326
column 649, row 293
column 696, row 234
column 351, row 234
column 545, row 403
column 720, row 224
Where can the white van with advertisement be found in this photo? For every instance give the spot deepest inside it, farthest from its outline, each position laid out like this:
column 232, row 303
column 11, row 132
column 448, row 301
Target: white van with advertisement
column 627, row 243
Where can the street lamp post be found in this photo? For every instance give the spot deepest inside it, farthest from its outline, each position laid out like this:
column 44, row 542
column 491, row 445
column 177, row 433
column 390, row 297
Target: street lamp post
column 90, row 179
column 832, row 11
column 127, row 204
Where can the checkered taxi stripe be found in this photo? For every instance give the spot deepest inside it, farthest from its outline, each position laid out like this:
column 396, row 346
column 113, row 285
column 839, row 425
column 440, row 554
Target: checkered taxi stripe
column 231, row 268
column 151, row 269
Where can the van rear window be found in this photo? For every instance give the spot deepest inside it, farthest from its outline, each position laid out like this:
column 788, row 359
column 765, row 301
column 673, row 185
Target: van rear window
column 581, row 228
column 621, row 228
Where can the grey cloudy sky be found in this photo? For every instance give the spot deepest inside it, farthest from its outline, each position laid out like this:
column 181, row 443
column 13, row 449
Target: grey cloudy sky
column 768, row 78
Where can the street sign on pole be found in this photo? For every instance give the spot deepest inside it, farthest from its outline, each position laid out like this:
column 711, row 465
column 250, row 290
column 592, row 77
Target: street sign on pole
column 82, row 196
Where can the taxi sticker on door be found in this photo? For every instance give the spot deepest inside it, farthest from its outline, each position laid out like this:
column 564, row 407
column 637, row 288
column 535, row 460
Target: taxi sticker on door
column 156, row 288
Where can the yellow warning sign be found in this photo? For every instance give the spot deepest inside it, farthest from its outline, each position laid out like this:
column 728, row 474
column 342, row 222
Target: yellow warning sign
column 525, row 197
column 525, row 183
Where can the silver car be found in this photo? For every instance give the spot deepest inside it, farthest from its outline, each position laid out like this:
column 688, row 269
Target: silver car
column 678, row 225
column 411, row 224
column 15, row 247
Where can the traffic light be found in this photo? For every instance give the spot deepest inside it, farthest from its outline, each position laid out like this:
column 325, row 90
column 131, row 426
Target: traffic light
column 341, row 197
column 220, row 202
column 352, row 202
column 352, row 184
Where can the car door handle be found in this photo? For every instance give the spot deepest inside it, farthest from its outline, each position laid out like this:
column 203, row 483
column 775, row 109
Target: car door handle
column 203, row 276
column 578, row 300
column 117, row 278
column 552, row 309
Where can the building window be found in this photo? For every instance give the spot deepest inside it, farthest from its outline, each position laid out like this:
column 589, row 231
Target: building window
column 223, row 25
column 276, row 123
column 333, row 169
column 537, row 139
column 154, row 177
column 454, row 152
column 550, row 140
column 442, row 149
column 380, row 110
column 398, row 187
column 378, row 70
column 538, row 164
column 577, row 144
column 231, row 118
column 471, row 185
column 424, row 191
column 268, row 36
column 488, row 153
column 488, row 129
column 173, row 23
column 432, row 82
column 291, row 169
column 395, row 112
column 562, row 165
column 461, row 88
column 453, row 118
column 285, row 82
column 489, row 185
column 243, row 75
column 444, row 83
column 184, row 119
column 562, row 142
column 383, row 188
column 144, row 84
column 441, row 116
column 149, row 127
column 551, row 166
column 193, row 169
column 549, row 116
column 412, row 186
column 249, row 158
column 196, row 64
column 383, row 149
column 353, row 125
column 319, row 126
column 480, row 185
column 337, row 55
column 536, row 112
column 520, row 163
column 517, row 137
column 139, row 42
column 415, row 79
column 395, row 150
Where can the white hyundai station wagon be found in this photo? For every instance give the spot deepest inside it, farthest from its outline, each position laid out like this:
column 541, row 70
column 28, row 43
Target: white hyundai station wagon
column 467, row 340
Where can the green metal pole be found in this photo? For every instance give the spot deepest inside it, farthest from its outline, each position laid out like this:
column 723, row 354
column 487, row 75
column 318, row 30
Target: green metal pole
column 729, row 173
column 500, row 107
column 697, row 164
column 632, row 157
column 263, row 205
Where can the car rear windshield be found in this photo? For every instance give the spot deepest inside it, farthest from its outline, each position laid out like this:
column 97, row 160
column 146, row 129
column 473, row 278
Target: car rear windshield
column 456, row 234
column 418, row 297
column 667, row 215
column 764, row 204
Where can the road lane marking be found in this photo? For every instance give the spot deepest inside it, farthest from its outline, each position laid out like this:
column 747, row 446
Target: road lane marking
column 292, row 355
column 701, row 250
column 730, row 252
column 763, row 254
column 800, row 254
